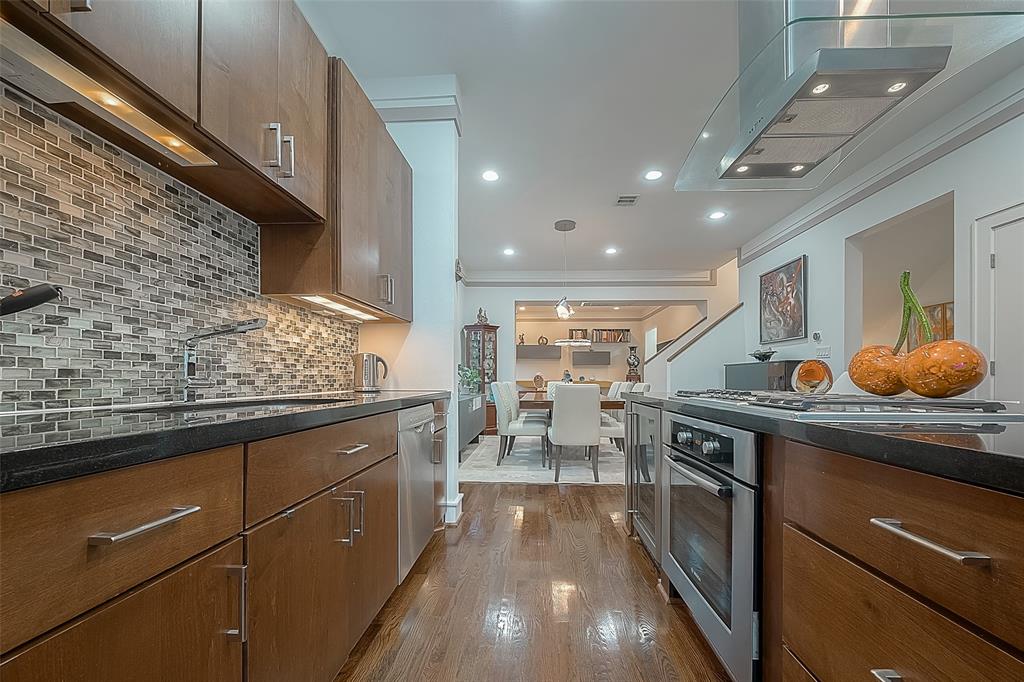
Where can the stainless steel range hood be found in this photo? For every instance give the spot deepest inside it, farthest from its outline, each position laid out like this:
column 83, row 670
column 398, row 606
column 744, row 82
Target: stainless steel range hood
column 822, row 86
column 833, row 96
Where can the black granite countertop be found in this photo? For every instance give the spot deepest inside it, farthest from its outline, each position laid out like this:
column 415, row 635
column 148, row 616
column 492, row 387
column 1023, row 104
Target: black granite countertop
column 989, row 455
column 79, row 442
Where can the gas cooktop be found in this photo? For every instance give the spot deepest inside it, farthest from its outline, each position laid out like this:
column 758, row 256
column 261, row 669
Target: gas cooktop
column 828, row 407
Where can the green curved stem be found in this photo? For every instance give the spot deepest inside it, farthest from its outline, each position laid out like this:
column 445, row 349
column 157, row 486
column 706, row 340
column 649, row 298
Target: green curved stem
column 915, row 307
column 904, row 326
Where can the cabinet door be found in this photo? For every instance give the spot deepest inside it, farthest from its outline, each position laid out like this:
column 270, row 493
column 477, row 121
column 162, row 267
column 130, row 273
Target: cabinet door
column 239, row 79
column 356, row 219
column 156, row 41
column 373, row 559
column 394, row 209
column 302, row 109
column 298, row 586
column 176, row 628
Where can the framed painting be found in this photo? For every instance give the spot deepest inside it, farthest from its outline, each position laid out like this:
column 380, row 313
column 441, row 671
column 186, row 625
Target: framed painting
column 783, row 302
column 940, row 316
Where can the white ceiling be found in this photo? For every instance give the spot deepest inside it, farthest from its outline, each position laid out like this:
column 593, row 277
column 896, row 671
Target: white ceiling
column 571, row 102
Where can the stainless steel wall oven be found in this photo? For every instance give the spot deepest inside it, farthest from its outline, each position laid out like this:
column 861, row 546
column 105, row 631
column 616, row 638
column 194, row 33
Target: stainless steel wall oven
column 710, row 502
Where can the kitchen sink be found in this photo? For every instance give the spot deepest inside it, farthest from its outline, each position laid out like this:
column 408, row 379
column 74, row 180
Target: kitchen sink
column 233, row 405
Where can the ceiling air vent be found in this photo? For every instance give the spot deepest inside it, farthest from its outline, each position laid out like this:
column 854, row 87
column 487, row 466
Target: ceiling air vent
column 627, row 200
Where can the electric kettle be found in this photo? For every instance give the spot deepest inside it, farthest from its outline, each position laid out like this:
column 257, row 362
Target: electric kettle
column 367, row 378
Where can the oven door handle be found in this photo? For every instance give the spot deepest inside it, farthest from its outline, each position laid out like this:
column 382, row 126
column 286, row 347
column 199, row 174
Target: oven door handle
column 703, row 482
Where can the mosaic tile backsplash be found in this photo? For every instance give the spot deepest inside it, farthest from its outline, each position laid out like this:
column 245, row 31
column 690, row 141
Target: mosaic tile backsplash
column 144, row 260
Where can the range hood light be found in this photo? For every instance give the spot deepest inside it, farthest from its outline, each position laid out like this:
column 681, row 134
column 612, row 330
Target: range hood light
column 800, row 126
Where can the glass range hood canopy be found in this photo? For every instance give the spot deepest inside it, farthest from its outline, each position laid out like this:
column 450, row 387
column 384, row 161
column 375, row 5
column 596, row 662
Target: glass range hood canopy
column 824, row 85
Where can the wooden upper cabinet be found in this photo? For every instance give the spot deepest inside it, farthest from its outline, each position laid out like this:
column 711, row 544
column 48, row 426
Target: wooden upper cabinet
column 356, row 157
column 302, row 109
column 179, row 627
column 239, row 79
column 157, row 41
column 394, row 210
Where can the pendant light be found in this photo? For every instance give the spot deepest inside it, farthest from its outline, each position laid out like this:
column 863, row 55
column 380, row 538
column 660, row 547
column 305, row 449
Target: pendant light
column 563, row 309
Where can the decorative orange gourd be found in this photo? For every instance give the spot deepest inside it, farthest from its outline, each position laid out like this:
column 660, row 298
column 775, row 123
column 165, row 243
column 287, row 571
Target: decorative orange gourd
column 877, row 369
column 943, row 369
column 936, row 369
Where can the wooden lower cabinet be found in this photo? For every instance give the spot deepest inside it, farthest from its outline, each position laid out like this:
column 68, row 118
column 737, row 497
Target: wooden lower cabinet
column 172, row 629
column 318, row 574
column 373, row 557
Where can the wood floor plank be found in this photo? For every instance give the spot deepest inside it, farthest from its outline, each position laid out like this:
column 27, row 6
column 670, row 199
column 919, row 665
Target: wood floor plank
column 537, row 583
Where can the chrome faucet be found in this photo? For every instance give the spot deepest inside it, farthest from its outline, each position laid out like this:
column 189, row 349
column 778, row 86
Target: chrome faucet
column 191, row 356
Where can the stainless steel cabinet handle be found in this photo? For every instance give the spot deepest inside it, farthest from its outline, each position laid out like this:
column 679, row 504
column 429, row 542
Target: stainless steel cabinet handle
column 385, row 283
column 177, row 514
column 391, row 290
column 353, row 449
column 886, row 675
column 706, row 484
column 241, row 633
column 895, row 526
column 289, row 170
column 437, row 451
column 358, row 530
column 350, row 540
column 275, row 130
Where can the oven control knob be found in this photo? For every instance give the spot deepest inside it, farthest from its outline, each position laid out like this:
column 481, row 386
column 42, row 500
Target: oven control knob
column 710, row 446
column 684, row 437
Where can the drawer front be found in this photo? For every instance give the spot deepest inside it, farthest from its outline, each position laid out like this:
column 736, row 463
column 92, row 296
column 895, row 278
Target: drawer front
column 836, row 497
column 284, row 470
column 844, row 622
column 69, row 546
column 174, row 629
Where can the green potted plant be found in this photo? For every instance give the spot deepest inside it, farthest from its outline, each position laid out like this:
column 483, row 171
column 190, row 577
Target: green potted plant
column 469, row 379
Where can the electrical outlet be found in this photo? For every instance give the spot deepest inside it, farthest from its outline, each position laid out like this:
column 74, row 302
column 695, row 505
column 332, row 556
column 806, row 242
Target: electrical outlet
column 824, row 351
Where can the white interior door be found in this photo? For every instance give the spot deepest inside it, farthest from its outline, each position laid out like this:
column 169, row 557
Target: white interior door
column 1008, row 311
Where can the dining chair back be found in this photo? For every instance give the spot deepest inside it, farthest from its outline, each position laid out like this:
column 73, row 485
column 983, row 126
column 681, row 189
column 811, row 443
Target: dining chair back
column 576, row 415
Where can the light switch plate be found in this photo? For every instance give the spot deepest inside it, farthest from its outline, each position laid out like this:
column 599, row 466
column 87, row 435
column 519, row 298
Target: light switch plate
column 824, row 351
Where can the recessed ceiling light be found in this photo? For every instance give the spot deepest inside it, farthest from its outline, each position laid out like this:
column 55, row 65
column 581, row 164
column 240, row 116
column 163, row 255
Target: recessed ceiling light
column 716, row 215
column 742, row 169
column 509, row 252
column 896, row 87
column 490, row 175
column 653, row 175
column 705, row 134
column 797, row 168
column 819, row 88
column 611, row 250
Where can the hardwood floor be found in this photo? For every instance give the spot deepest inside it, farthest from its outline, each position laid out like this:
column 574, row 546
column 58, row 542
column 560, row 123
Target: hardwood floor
column 536, row 583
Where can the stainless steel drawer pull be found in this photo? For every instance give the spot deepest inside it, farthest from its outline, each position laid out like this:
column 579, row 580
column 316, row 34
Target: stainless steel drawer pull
column 358, row 530
column 895, row 526
column 289, row 170
column 177, row 514
column 241, row 633
column 275, row 146
column 886, row 675
column 351, row 539
column 353, row 449
column 436, row 456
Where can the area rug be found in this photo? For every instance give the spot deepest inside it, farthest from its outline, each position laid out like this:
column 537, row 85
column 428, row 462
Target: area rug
column 523, row 465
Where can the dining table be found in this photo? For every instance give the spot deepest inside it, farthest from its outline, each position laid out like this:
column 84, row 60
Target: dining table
column 541, row 401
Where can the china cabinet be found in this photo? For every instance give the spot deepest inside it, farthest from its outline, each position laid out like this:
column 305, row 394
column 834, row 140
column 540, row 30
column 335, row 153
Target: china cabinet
column 482, row 353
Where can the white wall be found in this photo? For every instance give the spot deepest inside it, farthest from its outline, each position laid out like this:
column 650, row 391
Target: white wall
column 671, row 322
column 984, row 176
column 500, row 304
column 424, row 354
column 700, row 366
column 922, row 243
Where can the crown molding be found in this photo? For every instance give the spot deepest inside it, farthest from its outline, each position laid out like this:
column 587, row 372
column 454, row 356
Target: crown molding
column 417, row 98
column 591, row 278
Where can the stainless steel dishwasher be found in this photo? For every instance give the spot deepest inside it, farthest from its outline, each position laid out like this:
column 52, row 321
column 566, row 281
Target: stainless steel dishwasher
column 415, row 484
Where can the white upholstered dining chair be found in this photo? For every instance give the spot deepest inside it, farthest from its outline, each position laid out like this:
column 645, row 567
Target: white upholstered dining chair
column 575, row 422
column 511, row 423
